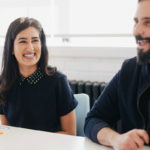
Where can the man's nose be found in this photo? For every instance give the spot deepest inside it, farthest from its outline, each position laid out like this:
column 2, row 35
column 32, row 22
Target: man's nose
column 138, row 29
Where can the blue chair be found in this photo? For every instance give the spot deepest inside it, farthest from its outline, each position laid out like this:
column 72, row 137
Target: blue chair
column 81, row 111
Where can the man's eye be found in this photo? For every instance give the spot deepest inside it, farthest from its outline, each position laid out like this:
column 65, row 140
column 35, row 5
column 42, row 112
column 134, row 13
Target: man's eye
column 147, row 22
column 135, row 21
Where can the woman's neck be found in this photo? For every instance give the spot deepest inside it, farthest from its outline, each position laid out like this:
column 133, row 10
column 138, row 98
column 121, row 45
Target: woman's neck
column 27, row 71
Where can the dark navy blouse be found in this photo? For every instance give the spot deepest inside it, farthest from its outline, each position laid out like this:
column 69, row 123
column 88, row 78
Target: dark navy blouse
column 38, row 101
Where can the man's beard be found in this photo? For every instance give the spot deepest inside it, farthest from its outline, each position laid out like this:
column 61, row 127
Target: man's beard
column 142, row 57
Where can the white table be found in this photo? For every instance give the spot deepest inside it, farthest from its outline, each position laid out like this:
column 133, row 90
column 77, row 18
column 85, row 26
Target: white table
column 25, row 139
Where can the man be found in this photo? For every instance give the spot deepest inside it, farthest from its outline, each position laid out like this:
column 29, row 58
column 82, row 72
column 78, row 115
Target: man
column 127, row 96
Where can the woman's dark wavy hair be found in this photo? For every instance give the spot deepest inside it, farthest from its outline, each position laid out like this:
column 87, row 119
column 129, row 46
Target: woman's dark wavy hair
column 10, row 69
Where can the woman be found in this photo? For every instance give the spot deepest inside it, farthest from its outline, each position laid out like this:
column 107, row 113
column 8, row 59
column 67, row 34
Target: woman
column 33, row 95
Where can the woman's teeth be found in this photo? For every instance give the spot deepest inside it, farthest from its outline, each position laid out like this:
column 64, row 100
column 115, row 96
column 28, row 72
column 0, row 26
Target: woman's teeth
column 28, row 55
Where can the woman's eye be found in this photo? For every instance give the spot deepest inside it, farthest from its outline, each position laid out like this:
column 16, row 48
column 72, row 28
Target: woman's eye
column 22, row 42
column 35, row 41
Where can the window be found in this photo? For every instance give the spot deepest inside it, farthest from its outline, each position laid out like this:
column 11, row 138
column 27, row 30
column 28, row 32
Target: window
column 76, row 22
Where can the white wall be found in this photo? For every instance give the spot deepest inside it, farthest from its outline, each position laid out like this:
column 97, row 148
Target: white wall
column 89, row 63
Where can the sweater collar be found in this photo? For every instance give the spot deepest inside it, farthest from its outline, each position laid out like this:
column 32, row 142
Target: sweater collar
column 32, row 79
column 144, row 81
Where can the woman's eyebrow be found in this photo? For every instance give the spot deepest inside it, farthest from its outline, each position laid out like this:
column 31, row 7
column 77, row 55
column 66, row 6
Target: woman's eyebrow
column 36, row 37
column 21, row 38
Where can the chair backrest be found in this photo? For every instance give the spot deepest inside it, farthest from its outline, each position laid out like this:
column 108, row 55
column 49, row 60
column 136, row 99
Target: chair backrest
column 81, row 111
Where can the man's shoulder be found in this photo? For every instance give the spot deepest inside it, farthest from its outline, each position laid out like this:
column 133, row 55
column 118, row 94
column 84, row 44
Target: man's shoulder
column 130, row 62
column 130, row 68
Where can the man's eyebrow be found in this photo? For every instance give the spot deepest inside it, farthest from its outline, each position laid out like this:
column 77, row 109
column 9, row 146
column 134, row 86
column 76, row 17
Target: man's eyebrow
column 145, row 18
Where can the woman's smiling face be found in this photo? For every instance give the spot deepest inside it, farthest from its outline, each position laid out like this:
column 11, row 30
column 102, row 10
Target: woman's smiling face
column 27, row 48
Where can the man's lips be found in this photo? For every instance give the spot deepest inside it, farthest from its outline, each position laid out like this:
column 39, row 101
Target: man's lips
column 142, row 42
column 140, row 39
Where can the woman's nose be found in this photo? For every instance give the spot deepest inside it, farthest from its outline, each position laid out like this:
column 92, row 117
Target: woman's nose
column 30, row 46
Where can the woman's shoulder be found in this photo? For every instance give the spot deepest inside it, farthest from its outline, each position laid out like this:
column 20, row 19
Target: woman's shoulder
column 54, row 73
column 58, row 78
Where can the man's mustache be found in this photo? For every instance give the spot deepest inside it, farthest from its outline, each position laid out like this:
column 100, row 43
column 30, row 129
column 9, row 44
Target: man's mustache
column 138, row 38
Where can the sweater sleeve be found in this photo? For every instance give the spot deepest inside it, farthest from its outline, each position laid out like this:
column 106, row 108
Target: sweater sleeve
column 105, row 111
column 1, row 110
column 66, row 100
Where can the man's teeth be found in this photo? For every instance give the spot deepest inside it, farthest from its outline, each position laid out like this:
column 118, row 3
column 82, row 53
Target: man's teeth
column 28, row 55
column 142, row 41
